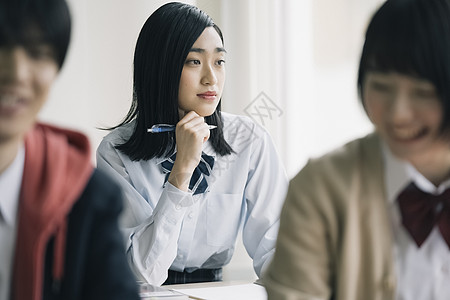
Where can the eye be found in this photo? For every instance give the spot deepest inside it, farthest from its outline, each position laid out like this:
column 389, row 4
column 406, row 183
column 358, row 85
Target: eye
column 380, row 86
column 192, row 62
column 40, row 52
column 425, row 93
column 221, row 62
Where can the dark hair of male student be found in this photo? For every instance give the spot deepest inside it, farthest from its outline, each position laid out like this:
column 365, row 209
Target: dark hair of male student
column 161, row 50
column 19, row 25
column 409, row 37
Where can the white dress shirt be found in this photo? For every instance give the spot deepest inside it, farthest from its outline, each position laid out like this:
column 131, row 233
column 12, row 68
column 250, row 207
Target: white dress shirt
column 422, row 273
column 10, row 182
column 169, row 228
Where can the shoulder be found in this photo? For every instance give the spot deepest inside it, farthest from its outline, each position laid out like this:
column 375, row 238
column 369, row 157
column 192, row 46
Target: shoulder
column 339, row 166
column 240, row 129
column 328, row 185
column 114, row 138
column 101, row 193
column 101, row 181
column 120, row 134
column 239, row 121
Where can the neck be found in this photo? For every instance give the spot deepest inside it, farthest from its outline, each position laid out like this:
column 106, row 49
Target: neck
column 435, row 168
column 8, row 152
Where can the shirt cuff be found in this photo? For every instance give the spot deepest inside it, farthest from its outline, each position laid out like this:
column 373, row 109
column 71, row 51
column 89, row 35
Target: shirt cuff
column 178, row 197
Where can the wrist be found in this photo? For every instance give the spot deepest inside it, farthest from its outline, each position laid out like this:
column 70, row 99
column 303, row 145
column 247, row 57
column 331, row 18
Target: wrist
column 180, row 177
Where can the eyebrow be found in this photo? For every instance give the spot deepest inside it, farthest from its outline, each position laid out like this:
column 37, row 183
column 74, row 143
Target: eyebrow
column 201, row 50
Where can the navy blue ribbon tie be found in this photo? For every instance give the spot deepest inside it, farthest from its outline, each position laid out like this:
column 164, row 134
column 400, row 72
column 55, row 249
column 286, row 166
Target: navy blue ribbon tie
column 198, row 183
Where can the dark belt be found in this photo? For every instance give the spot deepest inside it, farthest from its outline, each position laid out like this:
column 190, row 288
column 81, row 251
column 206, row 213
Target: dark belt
column 199, row 275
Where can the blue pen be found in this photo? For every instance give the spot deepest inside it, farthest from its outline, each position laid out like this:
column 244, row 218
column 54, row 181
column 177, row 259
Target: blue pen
column 168, row 128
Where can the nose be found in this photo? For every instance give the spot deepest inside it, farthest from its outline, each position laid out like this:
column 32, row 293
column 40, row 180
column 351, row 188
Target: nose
column 402, row 109
column 14, row 66
column 209, row 76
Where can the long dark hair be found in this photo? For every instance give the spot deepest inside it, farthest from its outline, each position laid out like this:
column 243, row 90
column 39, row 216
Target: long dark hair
column 161, row 50
column 411, row 37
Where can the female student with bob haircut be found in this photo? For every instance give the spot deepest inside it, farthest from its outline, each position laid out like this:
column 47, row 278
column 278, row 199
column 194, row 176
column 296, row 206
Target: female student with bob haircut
column 189, row 191
column 372, row 219
column 59, row 234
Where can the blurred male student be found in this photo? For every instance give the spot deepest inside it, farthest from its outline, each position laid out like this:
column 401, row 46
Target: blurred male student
column 59, row 237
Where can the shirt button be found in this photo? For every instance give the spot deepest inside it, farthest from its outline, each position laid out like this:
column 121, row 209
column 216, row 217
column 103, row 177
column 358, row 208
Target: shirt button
column 178, row 207
column 191, row 215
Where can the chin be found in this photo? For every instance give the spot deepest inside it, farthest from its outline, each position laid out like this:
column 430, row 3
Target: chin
column 205, row 113
column 412, row 152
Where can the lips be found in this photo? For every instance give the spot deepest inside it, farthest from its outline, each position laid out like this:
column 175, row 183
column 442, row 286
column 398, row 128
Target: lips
column 11, row 103
column 408, row 134
column 210, row 95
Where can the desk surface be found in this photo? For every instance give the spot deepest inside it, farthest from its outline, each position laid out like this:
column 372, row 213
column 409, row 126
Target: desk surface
column 236, row 290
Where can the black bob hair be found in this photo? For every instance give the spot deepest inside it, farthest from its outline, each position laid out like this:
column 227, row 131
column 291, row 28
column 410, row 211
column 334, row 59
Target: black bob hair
column 411, row 37
column 161, row 50
column 30, row 22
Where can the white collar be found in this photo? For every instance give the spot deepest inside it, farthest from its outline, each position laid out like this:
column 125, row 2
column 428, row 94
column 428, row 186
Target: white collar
column 399, row 173
column 10, row 183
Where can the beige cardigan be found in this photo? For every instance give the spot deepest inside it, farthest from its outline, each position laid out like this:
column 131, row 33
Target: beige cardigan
column 335, row 239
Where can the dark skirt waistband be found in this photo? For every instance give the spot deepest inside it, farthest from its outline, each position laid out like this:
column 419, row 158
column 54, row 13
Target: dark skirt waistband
column 199, row 275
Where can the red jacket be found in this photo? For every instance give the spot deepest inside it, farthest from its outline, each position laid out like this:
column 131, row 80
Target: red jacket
column 57, row 169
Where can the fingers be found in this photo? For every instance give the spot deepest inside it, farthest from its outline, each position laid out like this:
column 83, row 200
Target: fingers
column 194, row 124
column 191, row 132
column 190, row 116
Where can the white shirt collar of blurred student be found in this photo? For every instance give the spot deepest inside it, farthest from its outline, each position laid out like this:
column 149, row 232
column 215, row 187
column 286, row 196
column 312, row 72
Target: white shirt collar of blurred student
column 399, row 173
column 10, row 183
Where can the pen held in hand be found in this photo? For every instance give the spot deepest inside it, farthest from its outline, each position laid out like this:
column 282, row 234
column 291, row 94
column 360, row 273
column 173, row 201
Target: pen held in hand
column 158, row 128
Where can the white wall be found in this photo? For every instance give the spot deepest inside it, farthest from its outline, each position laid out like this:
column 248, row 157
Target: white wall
column 301, row 54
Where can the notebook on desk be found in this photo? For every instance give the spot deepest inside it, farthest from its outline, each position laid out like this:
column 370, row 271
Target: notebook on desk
column 151, row 292
column 223, row 291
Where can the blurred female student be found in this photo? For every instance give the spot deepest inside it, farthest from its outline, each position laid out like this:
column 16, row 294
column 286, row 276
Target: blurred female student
column 371, row 220
column 189, row 191
column 59, row 234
